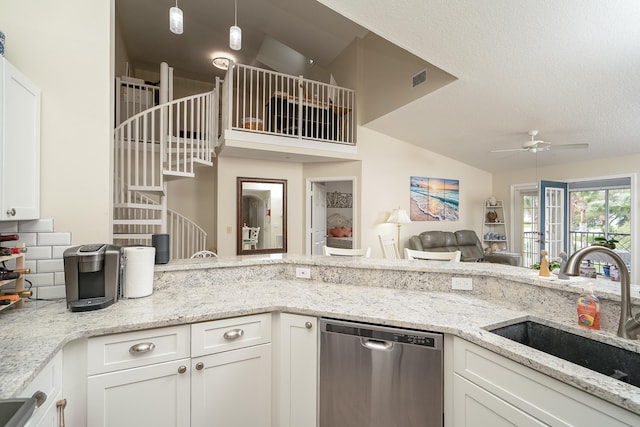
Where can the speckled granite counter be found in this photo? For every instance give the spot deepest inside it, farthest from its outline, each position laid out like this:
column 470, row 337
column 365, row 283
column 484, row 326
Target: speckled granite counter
column 399, row 293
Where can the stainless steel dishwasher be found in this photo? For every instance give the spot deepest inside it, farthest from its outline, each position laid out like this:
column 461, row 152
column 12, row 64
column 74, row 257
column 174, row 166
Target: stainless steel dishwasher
column 376, row 376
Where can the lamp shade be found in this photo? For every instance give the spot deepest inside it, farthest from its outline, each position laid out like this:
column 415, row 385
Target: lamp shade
column 235, row 37
column 175, row 20
column 399, row 216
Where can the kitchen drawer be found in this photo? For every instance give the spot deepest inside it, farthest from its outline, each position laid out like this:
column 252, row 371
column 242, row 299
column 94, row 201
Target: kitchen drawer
column 230, row 334
column 132, row 349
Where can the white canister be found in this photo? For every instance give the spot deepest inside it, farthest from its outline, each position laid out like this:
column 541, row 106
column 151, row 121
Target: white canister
column 138, row 272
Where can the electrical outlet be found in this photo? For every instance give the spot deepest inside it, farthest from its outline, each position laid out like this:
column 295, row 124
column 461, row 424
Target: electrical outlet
column 303, row 273
column 462, row 283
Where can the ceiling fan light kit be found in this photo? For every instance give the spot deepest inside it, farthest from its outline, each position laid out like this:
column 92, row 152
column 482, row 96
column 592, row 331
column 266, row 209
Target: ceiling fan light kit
column 537, row 145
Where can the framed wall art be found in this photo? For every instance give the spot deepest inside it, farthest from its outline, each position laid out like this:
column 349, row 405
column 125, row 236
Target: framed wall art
column 434, row 199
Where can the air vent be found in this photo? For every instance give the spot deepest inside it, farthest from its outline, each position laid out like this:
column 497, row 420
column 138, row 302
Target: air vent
column 419, row 78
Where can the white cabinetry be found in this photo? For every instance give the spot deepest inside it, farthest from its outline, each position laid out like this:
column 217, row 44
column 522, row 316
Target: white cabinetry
column 231, row 372
column 494, row 227
column 19, row 145
column 207, row 374
column 139, row 378
column 490, row 390
column 297, row 360
column 49, row 382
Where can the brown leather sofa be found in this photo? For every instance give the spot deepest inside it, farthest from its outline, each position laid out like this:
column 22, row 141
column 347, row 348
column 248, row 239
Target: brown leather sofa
column 465, row 241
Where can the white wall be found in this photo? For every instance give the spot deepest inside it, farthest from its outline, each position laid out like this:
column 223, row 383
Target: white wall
column 65, row 48
column 388, row 164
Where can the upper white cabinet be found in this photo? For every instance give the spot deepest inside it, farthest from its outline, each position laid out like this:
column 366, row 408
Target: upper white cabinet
column 19, row 145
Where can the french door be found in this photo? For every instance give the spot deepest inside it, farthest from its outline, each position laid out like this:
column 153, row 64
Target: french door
column 553, row 217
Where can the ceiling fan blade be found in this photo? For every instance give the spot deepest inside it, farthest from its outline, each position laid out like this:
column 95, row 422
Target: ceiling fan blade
column 504, row 150
column 568, row 146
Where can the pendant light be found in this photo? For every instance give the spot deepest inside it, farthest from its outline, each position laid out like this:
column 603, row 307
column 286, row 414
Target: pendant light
column 235, row 33
column 175, row 19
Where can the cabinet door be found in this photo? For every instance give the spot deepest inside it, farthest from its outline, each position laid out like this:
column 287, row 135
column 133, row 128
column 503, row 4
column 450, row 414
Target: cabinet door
column 49, row 382
column 155, row 395
column 232, row 388
column 298, row 370
column 19, row 145
column 476, row 407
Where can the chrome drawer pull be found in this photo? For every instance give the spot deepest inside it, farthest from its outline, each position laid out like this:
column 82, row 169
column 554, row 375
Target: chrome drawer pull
column 199, row 366
column 233, row 334
column 182, row 369
column 308, row 325
column 40, row 397
column 143, row 347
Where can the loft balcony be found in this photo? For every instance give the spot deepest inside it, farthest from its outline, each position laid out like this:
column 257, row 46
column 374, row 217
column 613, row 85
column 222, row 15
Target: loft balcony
column 264, row 111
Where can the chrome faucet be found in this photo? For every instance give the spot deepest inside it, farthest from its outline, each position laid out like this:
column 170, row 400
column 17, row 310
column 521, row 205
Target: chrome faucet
column 629, row 326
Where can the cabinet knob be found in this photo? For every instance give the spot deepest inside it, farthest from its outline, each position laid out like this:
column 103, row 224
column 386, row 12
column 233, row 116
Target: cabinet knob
column 233, row 334
column 199, row 366
column 308, row 325
column 11, row 212
column 182, row 369
column 143, row 347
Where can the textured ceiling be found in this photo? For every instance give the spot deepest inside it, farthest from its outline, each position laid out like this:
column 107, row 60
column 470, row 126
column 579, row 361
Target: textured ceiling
column 569, row 68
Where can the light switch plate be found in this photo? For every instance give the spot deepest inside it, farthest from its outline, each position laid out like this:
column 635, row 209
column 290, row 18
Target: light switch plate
column 462, row 283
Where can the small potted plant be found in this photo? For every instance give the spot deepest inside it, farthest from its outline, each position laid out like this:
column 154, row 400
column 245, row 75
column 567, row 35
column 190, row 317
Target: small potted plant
column 607, row 243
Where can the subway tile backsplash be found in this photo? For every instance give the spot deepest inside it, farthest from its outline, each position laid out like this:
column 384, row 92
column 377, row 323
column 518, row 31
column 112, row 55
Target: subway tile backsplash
column 45, row 247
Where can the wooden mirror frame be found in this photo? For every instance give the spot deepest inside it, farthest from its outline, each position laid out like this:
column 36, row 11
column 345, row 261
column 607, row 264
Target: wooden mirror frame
column 240, row 249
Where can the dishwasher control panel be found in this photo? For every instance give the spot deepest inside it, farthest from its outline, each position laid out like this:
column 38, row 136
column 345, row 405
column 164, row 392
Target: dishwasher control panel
column 424, row 339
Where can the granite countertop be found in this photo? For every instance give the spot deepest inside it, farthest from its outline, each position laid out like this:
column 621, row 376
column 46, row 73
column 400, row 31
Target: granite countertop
column 201, row 290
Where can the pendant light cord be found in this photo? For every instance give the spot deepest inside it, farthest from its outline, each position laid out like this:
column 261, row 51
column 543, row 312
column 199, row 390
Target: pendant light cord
column 235, row 20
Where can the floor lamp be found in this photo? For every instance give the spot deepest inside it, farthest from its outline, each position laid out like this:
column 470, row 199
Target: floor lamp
column 398, row 216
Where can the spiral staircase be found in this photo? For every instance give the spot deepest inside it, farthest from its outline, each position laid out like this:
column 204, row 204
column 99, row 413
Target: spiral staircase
column 164, row 142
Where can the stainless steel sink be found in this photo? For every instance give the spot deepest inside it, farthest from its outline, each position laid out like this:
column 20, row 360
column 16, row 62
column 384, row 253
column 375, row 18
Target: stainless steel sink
column 604, row 358
column 16, row 412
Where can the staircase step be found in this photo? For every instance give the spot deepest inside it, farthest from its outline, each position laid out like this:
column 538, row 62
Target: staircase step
column 137, row 222
column 132, row 237
column 202, row 163
column 171, row 175
column 158, row 190
column 145, row 206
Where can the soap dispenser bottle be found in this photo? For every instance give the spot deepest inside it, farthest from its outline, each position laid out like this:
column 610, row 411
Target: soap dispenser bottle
column 589, row 309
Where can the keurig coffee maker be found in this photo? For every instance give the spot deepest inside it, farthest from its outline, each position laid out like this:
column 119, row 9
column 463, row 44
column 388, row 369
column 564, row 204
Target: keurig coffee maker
column 92, row 275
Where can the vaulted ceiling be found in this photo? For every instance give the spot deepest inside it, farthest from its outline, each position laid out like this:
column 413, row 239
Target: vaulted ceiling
column 568, row 68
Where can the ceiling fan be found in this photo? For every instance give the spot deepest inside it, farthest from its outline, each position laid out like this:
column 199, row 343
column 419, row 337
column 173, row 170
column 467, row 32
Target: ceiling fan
column 536, row 145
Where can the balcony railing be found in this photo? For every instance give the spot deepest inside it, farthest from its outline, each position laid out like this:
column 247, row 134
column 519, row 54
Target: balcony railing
column 283, row 105
column 577, row 240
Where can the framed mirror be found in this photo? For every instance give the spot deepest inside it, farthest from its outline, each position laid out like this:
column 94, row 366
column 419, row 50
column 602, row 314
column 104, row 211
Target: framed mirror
column 261, row 216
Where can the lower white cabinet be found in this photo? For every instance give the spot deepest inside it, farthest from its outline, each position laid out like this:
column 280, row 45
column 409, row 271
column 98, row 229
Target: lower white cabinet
column 491, row 390
column 297, row 368
column 153, row 395
column 474, row 406
column 49, row 382
column 232, row 388
column 214, row 373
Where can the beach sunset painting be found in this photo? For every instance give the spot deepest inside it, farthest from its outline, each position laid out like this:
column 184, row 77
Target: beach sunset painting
column 434, row 199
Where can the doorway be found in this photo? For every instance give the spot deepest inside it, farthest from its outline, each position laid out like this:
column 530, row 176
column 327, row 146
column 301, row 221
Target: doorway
column 331, row 214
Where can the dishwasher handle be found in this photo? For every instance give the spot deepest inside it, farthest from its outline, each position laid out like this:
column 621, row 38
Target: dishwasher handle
column 372, row 344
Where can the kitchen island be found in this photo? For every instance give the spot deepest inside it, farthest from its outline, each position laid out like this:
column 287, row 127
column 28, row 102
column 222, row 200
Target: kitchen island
column 403, row 293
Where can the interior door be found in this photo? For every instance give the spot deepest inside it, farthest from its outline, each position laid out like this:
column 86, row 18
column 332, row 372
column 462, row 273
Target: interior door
column 318, row 217
column 553, row 217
